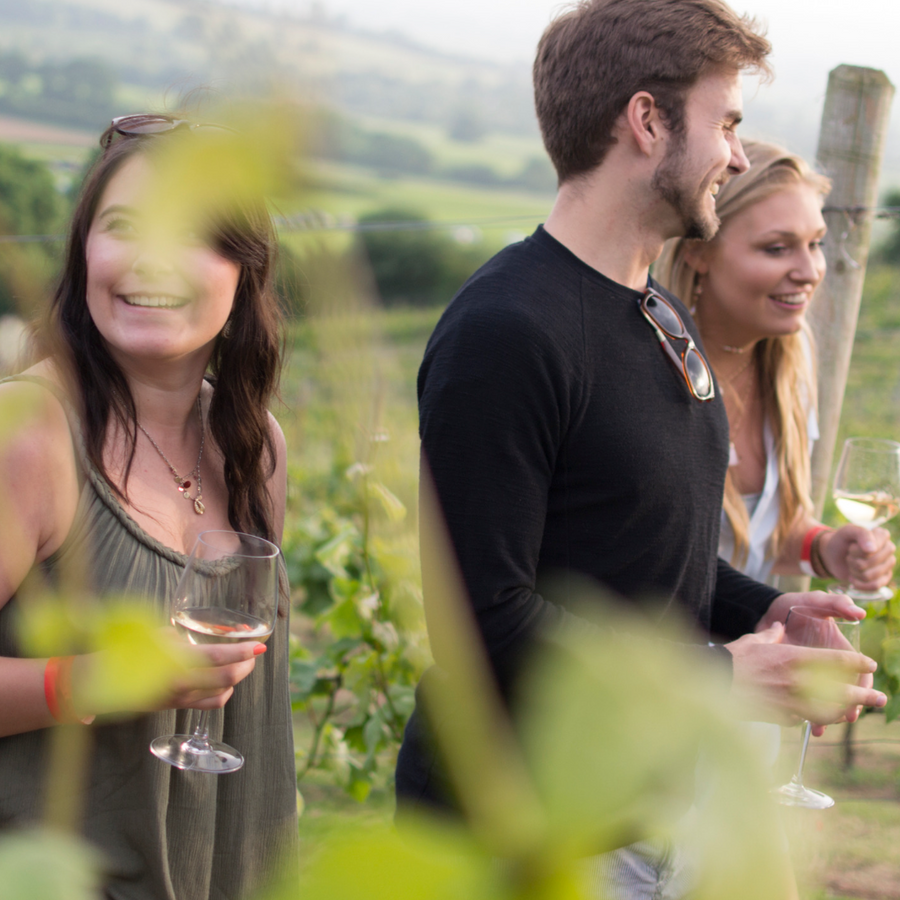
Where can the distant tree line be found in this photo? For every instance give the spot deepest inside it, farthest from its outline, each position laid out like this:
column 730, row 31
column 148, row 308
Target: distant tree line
column 415, row 264
column 334, row 137
column 80, row 92
column 889, row 251
column 29, row 205
column 505, row 106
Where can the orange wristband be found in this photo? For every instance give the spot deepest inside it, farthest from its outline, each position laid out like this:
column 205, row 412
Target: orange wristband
column 51, row 673
column 58, row 691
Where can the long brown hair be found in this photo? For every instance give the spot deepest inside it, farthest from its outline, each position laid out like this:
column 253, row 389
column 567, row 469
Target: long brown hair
column 244, row 367
column 785, row 364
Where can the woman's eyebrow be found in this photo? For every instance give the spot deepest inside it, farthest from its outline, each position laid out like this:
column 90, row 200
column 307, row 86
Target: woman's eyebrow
column 790, row 234
column 117, row 209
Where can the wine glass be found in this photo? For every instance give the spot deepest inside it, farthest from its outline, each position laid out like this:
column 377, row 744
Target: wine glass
column 808, row 626
column 228, row 592
column 867, row 491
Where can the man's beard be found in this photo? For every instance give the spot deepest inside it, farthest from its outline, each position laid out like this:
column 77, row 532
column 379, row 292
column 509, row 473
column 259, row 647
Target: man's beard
column 668, row 183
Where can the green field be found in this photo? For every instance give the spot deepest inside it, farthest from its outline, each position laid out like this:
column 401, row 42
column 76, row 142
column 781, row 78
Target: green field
column 849, row 851
column 504, row 153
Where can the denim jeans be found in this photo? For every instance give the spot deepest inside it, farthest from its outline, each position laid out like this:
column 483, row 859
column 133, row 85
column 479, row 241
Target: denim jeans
column 647, row 870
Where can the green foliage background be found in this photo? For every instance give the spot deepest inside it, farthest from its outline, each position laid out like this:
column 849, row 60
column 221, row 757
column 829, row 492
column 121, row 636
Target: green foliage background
column 29, row 205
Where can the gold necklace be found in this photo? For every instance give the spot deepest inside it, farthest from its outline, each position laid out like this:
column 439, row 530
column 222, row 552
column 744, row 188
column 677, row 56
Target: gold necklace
column 734, row 424
column 184, row 482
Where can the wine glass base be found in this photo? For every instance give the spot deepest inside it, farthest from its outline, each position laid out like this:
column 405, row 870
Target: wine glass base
column 883, row 593
column 793, row 794
column 185, row 752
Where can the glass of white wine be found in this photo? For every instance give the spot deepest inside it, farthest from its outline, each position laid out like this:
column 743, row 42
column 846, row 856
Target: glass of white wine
column 807, row 626
column 867, row 491
column 228, row 592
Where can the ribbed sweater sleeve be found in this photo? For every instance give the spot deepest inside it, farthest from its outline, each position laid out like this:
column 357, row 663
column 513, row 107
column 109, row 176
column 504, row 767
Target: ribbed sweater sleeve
column 739, row 602
column 493, row 406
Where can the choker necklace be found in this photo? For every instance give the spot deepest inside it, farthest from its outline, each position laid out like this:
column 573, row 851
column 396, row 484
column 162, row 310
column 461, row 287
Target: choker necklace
column 729, row 349
column 185, row 482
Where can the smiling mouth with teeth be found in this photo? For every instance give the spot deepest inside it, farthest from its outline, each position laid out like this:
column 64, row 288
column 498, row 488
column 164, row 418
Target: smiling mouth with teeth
column 790, row 299
column 153, row 300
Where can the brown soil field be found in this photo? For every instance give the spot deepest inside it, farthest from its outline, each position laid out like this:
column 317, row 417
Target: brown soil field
column 853, row 849
column 21, row 131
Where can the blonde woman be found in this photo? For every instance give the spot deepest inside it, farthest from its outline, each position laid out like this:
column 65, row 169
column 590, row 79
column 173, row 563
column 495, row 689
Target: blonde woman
column 749, row 290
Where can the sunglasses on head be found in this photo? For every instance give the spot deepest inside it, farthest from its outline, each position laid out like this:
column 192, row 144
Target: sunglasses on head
column 148, row 123
column 667, row 325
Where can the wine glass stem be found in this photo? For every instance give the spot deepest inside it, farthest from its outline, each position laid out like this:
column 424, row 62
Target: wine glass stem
column 807, row 729
column 200, row 737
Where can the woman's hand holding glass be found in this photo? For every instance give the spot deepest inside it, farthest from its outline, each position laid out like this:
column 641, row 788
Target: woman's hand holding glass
column 201, row 678
column 217, row 669
column 226, row 600
column 859, row 556
column 867, row 492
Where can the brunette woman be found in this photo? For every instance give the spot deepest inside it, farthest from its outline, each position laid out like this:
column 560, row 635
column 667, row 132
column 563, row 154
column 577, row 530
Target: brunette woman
column 163, row 351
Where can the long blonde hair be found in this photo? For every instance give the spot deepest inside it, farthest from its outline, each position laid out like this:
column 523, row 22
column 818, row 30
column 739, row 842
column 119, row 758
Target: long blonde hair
column 785, row 370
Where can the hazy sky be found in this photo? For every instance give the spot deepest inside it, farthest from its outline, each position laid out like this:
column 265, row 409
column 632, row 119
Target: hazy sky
column 810, row 36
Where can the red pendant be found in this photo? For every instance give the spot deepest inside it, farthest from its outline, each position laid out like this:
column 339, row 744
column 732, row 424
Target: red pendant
column 184, row 485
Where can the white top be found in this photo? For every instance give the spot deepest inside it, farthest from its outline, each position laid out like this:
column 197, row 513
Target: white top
column 764, row 514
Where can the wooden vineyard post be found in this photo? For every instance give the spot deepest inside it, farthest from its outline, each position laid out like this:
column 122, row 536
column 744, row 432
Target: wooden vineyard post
column 851, row 147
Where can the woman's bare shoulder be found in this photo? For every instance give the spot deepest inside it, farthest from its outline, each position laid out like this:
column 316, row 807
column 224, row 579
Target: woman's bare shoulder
column 32, row 408
column 38, row 475
column 277, row 436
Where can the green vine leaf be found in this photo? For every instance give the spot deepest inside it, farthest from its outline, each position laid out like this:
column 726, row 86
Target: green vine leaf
column 891, row 657
column 333, row 554
column 43, row 865
column 393, row 507
column 892, row 710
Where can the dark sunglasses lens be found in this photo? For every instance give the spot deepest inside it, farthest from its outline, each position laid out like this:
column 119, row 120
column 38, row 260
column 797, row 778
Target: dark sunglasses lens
column 698, row 373
column 665, row 317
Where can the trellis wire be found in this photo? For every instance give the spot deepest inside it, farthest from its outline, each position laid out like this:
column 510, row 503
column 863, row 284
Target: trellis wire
column 318, row 222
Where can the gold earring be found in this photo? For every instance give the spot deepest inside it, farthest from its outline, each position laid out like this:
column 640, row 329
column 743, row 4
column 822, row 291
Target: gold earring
column 698, row 290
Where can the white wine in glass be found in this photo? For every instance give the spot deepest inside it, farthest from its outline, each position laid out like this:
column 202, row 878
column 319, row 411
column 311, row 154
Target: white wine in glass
column 228, row 592
column 867, row 492
column 808, row 626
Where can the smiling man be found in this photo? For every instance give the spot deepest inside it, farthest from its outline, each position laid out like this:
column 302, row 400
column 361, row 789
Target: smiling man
column 568, row 416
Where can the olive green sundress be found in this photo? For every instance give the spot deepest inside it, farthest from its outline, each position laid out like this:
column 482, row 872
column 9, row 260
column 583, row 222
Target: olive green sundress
column 164, row 834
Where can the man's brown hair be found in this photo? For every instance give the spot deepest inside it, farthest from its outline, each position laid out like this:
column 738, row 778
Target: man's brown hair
column 594, row 58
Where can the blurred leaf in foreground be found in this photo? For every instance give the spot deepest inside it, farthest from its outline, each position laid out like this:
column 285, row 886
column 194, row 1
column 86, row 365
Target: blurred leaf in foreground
column 431, row 862
column 613, row 713
column 45, row 865
column 615, row 720
column 133, row 659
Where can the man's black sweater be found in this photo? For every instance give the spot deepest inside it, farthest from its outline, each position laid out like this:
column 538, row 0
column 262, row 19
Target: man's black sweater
column 561, row 439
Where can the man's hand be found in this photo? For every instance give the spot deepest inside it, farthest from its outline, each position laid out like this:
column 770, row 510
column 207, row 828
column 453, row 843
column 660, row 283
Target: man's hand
column 838, row 605
column 772, row 679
